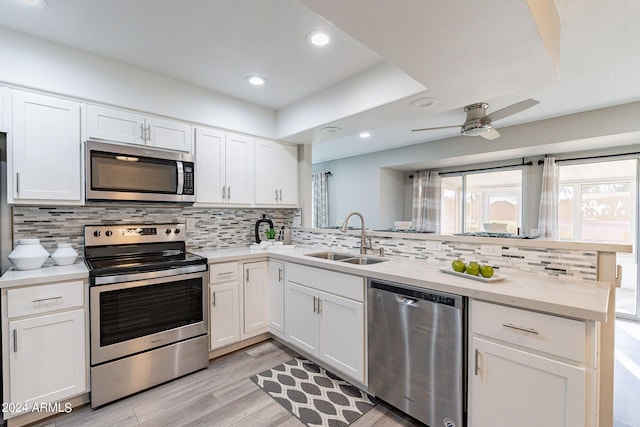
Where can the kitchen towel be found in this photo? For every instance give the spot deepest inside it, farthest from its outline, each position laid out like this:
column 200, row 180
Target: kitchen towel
column 316, row 397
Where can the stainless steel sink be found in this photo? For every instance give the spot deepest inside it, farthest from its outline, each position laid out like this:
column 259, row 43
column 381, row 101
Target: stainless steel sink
column 342, row 257
column 364, row 260
column 333, row 256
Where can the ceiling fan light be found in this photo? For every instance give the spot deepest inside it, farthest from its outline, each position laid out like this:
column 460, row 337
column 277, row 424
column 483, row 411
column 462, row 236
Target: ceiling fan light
column 476, row 129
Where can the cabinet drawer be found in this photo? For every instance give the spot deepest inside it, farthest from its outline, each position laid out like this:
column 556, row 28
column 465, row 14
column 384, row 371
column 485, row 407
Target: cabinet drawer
column 45, row 298
column 543, row 332
column 340, row 284
column 223, row 272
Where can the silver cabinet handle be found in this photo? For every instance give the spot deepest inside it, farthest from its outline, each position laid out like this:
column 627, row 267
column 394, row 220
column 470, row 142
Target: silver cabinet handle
column 280, row 191
column 247, row 275
column 276, row 194
column 46, row 299
column 229, row 192
column 148, row 135
column 142, row 132
column 15, row 340
column 314, row 304
column 476, row 368
column 280, row 275
column 17, row 182
column 520, row 328
column 224, row 192
column 214, row 299
column 319, row 306
column 225, row 273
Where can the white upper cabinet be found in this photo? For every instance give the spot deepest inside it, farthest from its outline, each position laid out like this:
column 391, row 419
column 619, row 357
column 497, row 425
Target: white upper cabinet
column 276, row 174
column 4, row 109
column 132, row 128
column 224, row 168
column 44, row 149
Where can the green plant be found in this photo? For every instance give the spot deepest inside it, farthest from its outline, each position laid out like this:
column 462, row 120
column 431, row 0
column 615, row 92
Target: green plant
column 270, row 233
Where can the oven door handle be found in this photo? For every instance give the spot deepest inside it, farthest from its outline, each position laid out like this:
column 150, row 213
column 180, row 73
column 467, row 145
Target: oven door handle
column 120, row 278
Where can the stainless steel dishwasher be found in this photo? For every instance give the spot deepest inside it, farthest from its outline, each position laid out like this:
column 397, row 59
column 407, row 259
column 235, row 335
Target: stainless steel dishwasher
column 417, row 351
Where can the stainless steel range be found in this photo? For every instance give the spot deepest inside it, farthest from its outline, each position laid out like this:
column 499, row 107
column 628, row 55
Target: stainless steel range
column 147, row 303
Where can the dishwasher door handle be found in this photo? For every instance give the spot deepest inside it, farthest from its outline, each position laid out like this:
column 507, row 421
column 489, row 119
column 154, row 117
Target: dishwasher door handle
column 402, row 299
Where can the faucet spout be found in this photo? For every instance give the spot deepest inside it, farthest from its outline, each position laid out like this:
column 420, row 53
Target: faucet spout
column 363, row 238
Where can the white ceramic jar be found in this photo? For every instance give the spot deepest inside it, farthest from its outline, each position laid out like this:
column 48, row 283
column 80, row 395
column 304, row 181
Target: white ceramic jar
column 28, row 255
column 65, row 254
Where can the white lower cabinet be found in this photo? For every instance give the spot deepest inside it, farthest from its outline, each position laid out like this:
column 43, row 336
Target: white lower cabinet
column 255, row 297
column 329, row 323
column 276, row 298
column 225, row 316
column 45, row 351
column 525, row 370
column 224, row 304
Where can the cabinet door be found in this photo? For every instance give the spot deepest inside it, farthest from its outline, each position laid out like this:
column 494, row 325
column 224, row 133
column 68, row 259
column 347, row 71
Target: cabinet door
column 266, row 179
column 239, row 169
column 47, row 358
column 288, row 180
column 342, row 334
column 4, row 109
column 276, row 298
column 210, row 166
column 256, row 299
column 169, row 134
column 302, row 323
column 510, row 387
column 115, row 125
column 225, row 314
column 45, row 149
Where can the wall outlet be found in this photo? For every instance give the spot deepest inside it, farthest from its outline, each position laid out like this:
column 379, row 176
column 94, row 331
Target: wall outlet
column 491, row 250
column 434, row 246
column 191, row 224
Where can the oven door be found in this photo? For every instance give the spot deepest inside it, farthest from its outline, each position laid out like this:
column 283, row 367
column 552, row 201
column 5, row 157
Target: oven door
column 132, row 317
column 116, row 172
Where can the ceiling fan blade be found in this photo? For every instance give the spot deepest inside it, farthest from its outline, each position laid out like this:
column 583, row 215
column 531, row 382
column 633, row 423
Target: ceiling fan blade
column 491, row 134
column 512, row 109
column 441, row 127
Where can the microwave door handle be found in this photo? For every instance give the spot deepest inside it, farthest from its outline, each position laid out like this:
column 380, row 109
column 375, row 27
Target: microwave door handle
column 180, row 169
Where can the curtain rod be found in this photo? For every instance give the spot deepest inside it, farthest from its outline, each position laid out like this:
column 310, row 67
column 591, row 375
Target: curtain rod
column 486, row 169
column 603, row 156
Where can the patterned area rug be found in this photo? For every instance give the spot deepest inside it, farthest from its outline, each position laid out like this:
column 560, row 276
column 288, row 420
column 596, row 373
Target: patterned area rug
column 316, row 397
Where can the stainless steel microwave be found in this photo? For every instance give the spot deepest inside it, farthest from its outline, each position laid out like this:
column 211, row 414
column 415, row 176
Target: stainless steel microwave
column 128, row 173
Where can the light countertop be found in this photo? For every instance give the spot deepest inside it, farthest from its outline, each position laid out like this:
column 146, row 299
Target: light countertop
column 46, row 274
column 581, row 300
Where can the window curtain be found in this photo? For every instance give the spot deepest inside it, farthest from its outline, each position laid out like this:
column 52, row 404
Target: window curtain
column 320, row 204
column 427, row 195
column 548, row 216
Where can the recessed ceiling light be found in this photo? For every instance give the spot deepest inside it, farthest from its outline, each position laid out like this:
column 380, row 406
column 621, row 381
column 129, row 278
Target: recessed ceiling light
column 365, row 135
column 34, row 3
column 330, row 129
column 318, row 38
column 256, row 80
column 424, row 102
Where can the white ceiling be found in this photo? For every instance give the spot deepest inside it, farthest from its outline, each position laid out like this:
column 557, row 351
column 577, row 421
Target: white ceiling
column 384, row 53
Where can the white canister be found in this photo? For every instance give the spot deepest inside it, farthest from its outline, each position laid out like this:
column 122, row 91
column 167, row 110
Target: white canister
column 65, row 254
column 28, row 255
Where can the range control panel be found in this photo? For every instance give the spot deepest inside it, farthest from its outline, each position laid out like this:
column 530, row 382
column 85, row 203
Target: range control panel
column 123, row 234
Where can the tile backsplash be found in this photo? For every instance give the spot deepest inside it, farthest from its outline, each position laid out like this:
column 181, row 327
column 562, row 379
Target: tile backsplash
column 206, row 227
column 579, row 265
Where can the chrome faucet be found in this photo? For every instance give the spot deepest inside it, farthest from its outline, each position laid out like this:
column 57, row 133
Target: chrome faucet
column 363, row 240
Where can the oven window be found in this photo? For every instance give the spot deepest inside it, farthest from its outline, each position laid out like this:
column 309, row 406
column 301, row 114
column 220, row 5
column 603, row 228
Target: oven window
column 134, row 174
column 131, row 313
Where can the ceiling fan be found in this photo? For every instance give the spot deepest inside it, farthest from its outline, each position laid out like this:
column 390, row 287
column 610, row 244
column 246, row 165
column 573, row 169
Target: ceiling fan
column 478, row 123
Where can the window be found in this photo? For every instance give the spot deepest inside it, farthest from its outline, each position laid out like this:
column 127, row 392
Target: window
column 597, row 202
column 489, row 197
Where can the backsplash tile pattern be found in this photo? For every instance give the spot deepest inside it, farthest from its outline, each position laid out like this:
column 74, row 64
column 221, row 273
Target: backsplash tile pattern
column 206, row 227
column 580, row 265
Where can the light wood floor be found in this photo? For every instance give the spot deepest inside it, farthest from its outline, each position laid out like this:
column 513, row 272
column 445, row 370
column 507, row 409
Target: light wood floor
column 221, row 395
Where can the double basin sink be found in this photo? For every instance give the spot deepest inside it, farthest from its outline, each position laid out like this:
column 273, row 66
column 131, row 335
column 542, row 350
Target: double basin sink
column 347, row 258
